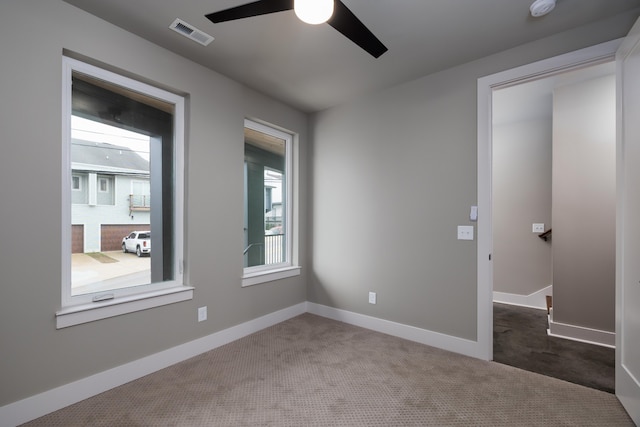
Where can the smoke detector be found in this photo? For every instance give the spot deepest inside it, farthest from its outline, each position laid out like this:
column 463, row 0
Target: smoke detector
column 542, row 7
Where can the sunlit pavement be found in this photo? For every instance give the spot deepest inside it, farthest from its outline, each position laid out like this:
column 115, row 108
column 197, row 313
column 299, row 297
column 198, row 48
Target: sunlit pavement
column 91, row 275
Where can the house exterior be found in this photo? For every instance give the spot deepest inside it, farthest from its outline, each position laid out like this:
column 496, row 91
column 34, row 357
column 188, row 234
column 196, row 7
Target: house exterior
column 110, row 195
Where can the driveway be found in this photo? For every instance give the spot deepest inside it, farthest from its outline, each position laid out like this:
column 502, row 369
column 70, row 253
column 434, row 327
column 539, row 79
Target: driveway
column 108, row 270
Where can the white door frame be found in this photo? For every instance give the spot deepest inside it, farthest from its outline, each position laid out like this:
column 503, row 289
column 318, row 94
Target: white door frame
column 627, row 271
column 486, row 85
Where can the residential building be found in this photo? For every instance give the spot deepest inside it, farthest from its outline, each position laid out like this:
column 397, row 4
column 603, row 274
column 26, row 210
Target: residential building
column 110, row 195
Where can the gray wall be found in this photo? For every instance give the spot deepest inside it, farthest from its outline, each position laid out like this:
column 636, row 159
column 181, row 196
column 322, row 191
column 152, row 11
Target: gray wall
column 34, row 356
column 393, row 174
column 521, row 197
column 584, row 203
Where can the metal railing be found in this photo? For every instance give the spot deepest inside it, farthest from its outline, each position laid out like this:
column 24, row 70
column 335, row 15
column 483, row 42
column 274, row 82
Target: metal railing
column 139, row 202
column 272, row 250
column 251, row 246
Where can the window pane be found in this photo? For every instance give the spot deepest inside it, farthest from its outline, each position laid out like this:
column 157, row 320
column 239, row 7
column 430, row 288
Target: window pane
column 106, row 261
column 121, row 141
column 265, row 199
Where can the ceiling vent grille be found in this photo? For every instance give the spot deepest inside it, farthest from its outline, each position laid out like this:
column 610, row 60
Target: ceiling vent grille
column 188, row 30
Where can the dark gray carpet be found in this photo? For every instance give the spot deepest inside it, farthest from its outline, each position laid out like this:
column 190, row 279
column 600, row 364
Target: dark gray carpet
column 312, row 371
column 520, row 339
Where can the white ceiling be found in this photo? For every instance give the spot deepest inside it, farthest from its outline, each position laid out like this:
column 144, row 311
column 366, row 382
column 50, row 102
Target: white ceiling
column 315, row 67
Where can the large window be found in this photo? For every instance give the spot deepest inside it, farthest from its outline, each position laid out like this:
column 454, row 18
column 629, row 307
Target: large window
column 122, row 177
column 268, row 204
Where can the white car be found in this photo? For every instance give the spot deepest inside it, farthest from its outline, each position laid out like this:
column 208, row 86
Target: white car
column 138, row 242
column 274, row 231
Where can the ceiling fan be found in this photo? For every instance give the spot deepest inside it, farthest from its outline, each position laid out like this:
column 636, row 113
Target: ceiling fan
column 333, row 12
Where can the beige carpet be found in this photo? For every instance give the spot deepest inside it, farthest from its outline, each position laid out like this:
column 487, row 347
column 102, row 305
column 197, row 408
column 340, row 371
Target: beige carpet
column 311, row 371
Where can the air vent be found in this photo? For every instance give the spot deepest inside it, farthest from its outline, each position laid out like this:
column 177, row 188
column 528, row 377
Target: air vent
column 188, row 30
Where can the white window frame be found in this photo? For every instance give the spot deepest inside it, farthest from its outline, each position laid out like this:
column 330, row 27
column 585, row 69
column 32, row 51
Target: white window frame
column 267, row 273
column 83, row 308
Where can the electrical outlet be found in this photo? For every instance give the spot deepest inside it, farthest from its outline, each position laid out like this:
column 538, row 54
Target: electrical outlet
column 465, row 232
column 372, row 297
column 537, row 228
column 202, row 314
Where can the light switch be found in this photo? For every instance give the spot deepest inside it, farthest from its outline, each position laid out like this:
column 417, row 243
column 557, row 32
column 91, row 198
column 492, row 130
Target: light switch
column 473, row 214
column 465, row 232
column 202, row 314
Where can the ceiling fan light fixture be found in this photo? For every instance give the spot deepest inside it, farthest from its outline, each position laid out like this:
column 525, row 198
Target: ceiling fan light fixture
column 542, row 7
column 313, row 11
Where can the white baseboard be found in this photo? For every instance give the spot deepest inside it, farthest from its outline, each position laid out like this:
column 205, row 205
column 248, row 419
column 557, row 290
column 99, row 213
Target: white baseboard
column 582, row 334
column 534, row 300
column 41, row 404
column 423, row 336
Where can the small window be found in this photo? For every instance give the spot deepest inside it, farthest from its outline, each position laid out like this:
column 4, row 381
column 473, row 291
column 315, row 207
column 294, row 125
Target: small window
column 103, row 185
column 106, row 194
column 267, row 203
column 75, row 183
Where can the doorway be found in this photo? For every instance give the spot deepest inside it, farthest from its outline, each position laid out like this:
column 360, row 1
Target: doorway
column 554, row 69
column 553, row 145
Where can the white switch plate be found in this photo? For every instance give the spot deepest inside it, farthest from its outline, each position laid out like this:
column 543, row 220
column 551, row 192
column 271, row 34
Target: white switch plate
column 202, row 314
column 372, row 297
column 473, row 214
column 538, row 228
column 465, row 232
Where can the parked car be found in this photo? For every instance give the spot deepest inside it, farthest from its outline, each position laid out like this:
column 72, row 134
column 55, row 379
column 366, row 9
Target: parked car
column 138, row 242
column 274, row 230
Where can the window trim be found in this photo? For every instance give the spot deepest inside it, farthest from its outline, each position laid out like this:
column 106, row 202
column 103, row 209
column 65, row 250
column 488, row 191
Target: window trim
column 267, row 273
column 138, row 297
column 263, row 276
column 84, row 313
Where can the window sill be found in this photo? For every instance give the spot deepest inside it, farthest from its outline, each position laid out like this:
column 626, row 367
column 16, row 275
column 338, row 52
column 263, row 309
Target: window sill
column 85, row 313
column 258, row 277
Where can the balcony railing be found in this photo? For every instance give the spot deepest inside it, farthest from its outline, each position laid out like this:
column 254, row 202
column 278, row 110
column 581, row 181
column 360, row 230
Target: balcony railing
column 139, row 202
column 272, row 250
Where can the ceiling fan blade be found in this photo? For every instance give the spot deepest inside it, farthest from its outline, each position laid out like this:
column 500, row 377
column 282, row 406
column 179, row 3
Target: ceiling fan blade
column 260, row 7
column 351, row 27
